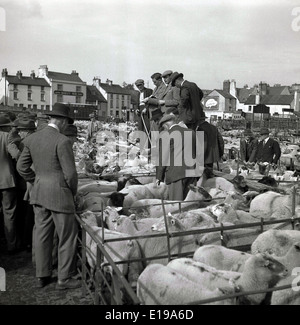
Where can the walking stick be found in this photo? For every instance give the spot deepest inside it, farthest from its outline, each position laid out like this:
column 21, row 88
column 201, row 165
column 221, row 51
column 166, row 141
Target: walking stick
column 142, row 117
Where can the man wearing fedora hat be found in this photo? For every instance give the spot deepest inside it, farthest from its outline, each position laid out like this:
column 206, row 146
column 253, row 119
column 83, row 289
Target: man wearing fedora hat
column 55, row 184
column 8, row 193
column 190, row 107
column 171, row 164
column 268, row 149
column 213, row 142
column 248, row 147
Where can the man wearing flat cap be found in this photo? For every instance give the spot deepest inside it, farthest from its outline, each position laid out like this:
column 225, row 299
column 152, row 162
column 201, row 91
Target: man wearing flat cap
column 169, row 99
column 268, row 149
column 143, row 107
column 172, row 167
column 55, row 182
column 248, row 147
column 190, row 108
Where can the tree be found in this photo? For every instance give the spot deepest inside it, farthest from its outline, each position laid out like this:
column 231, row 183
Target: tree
column 128, row 86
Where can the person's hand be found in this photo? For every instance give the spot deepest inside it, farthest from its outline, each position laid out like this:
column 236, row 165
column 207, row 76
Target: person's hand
column 161, row 102
column 145, row 100
column 144, row 111
column 157, row 182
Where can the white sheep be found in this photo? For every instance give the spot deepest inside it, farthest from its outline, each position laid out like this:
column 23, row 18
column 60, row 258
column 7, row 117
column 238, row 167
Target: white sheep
column 274, row 241
column 160, row 285
column 260, row 272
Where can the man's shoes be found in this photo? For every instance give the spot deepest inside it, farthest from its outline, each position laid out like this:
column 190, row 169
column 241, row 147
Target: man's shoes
column 42, row 282
column 68, row 284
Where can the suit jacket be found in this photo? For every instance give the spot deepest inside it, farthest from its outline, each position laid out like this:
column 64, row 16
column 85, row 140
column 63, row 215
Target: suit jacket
column 270, row 152
column 54, row 176
column 248, row 150
column 7, row 174
column 190, row 108
column 172, row 164
column 147, row 92
column 171, row 96
column 213, row 143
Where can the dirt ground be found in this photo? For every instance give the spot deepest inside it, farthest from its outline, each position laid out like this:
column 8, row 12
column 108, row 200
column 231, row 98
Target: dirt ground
column 20, row 285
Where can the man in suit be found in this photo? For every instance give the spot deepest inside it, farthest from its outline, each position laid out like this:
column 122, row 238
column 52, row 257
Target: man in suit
column 172, row 167
column 93, row 126
column 268, row 149
column 213, row 142
column 248, row 147
column 55, row 181
column 8, row 193
column 190, row 108
column 144, row 93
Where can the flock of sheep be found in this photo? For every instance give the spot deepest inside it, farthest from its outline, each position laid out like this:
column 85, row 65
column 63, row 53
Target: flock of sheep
column 191, row 266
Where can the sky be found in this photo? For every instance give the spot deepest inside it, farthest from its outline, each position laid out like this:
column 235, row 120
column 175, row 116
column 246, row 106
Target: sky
column 208, row 41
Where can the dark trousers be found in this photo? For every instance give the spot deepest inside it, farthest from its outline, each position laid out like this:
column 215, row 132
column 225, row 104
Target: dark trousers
column 8, row 199
column 46, row 222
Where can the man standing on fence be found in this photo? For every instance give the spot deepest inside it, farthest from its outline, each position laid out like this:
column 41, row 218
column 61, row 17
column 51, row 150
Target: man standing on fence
column 54, row 180
column 268, row 149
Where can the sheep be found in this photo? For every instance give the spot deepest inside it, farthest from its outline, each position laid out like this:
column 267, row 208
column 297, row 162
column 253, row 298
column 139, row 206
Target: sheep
column 221, row 258
column 160, row 285
column 149, row 207
column 274, row 241
column 260, row 272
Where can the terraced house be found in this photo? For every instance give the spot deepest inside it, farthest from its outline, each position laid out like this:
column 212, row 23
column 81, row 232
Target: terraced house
column 25, row 92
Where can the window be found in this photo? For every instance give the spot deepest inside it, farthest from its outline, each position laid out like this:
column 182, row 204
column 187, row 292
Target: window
column 42, row 107
column 117, row 113
column 111, row 103
column 59, row 98
column 59, row 87
column 42, row 88
column 249, row 108
column 15, row 96
column 34, row 106
column 15, row 87
column 78, row 88
column 15, row 105
column 111, row 112
column 78, row 99
column 117, row 97
column 21, row 105
column 29, row 106
column 47, row 107
column 42, row 97
column 29, row 88
column 29, row 96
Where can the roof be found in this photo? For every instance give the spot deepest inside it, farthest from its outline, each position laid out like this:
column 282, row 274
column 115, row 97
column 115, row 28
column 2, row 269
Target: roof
column 277, row 90
column 244, row 93
column 64, row 76
column 93, row 95
column 114, row 89
column 225, row 94
column 271, row 100
column 27, row 81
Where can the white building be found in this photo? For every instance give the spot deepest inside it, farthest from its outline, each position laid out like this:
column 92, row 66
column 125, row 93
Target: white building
column 24, row 92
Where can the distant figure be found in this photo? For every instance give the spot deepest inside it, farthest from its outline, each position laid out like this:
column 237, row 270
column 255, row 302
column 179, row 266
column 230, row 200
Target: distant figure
column 248, row 147
column 213, row 142
column 190, row 107
column 93, row 127
column 143, row 111
column 268, row 149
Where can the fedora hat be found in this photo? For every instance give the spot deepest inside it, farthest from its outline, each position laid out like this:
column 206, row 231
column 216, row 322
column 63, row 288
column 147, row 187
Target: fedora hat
column 61, row 110
column 70, row 130
column 26, row 124
column 167, row 73
column 167, row 118
column 264, row 131
column 174, row 76
column 202, row 116
column 4, row 121
column 41, row 116
column 157, row 114
column 248, row 133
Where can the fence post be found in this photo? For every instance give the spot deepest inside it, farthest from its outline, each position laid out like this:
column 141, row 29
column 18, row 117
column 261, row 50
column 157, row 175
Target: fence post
column 222, row 235
column 83, row 261
column 167, row 229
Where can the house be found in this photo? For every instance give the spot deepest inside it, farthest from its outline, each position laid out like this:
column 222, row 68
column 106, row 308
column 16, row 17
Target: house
column 95, row 98
column 118, row 99
column 24, row 92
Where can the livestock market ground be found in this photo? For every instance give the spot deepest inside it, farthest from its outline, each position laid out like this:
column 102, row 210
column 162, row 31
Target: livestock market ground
column 20, row 285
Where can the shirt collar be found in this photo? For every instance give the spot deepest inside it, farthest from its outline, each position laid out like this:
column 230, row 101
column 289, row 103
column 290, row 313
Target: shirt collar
column 182, row 83
column 54, row 126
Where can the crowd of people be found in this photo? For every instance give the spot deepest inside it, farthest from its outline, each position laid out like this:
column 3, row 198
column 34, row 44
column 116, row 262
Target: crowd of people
column 38, row 179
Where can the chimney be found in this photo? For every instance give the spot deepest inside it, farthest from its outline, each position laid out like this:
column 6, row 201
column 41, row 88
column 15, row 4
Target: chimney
column 4, row 73
column 232, row 89
column 43, row 71
column 109, row 82
column 257, row 99
column 263, row 88
column 32, row 75
column 19, row 74
column 74, row 72
column 226, row 86
column 96, row 82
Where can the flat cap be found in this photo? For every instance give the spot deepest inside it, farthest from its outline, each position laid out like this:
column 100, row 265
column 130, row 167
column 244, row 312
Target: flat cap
column 264, row 131
column 166, row 73
column 139, row 82
column 167, row 118
column 175, row 76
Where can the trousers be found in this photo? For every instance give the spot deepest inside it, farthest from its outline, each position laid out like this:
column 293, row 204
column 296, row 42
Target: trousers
column 46, row 222
column 8, row 198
